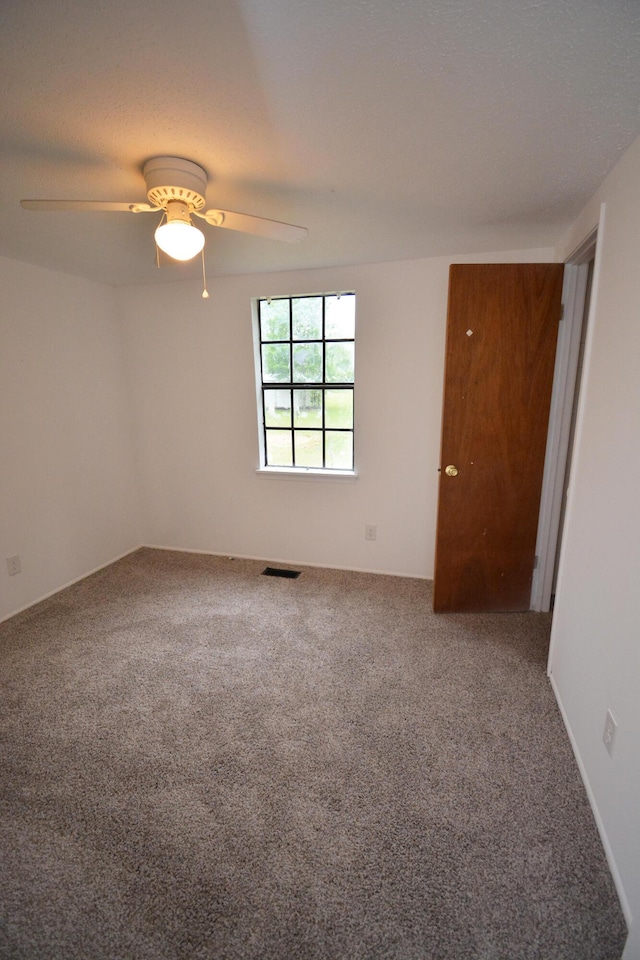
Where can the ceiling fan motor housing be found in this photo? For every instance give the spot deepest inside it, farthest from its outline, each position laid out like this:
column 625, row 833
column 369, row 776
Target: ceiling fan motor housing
column 171, row 178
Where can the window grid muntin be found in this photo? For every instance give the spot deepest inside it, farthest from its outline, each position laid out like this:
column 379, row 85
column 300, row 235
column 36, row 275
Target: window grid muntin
column 291, row 385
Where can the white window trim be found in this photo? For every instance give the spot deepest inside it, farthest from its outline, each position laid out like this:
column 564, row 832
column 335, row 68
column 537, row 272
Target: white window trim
column 307, row 473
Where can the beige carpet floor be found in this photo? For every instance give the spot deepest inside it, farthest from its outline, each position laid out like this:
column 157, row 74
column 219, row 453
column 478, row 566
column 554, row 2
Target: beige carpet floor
column 198, row 761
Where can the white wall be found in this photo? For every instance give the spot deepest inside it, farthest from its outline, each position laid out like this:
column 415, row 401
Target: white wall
column 595, row 655
column 67, row 488
column 193, row 382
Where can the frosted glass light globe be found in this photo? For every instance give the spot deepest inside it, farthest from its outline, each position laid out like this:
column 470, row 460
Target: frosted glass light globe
column 179, row 240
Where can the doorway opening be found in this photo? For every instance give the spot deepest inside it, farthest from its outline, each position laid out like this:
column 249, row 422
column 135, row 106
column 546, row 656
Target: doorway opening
column 572, row 429
column 577, row 297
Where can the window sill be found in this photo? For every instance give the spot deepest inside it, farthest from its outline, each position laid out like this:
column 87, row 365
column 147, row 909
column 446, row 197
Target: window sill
column 306, row 473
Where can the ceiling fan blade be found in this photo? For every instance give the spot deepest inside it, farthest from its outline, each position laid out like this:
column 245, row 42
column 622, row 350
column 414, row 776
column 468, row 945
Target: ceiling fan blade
column 259, row 226
column 106, row 205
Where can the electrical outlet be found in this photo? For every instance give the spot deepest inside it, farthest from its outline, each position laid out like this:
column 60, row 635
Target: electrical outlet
column 370, row 532
column 13, row 565
column 609, row 735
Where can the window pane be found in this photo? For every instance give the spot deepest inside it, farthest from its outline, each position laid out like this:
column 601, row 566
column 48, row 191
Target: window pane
column 279, row 452
column 274, row 320
column 308, row 370
column 308, row 445
column 277, row 408
column 276, row 363
column 339, row 363
column 307, row 363
column 339, row 450
column 340, row 317
column 308, row 408
column 307, row 318
column 338, row 408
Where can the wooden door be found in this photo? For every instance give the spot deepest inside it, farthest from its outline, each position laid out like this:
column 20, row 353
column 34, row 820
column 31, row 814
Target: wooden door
column 502, row 330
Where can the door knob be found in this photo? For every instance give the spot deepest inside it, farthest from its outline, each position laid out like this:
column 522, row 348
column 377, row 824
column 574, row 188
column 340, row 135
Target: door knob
column 451, row 471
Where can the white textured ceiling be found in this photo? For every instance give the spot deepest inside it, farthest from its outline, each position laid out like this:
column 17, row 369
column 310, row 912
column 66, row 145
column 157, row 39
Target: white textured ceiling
column 392, row 129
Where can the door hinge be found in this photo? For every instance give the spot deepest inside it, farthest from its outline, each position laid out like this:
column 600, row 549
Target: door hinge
column 561, row 312
column 535, row 563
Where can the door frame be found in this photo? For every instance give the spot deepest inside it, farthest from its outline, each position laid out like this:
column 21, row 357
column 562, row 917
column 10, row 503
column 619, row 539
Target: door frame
column 562, row 399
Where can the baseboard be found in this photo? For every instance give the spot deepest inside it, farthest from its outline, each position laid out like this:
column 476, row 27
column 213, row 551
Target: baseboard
column 287, row 561
column 64, row 586
column 624, row 903
column 209, row 553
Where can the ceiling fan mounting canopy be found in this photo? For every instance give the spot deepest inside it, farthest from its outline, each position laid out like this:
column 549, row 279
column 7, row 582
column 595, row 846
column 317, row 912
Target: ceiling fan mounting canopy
column 172, row 178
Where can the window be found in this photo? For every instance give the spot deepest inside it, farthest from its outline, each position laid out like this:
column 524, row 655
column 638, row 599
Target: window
column 306, row 368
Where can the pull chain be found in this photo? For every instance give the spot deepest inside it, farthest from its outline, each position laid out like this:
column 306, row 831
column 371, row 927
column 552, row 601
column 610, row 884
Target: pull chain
column 157, row 247
column 205, row 292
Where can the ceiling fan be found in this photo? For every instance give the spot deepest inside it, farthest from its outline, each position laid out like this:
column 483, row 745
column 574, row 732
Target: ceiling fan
column 177, row 187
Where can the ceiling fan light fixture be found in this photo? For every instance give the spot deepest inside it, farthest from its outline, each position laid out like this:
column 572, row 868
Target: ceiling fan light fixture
column 178, row 187
column 178, row 237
